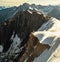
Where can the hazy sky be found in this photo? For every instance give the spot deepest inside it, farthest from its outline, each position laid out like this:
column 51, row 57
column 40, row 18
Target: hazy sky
column 18, row 2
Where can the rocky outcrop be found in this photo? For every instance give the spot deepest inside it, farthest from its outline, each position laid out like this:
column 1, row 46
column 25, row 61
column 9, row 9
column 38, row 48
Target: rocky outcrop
column 28, row 36
column 23, row 23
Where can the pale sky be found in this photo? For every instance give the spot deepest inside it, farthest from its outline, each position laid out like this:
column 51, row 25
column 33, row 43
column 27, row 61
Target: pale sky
column 19, row 2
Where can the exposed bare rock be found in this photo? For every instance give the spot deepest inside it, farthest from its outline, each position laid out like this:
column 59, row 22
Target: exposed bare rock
column 29, row 36
column 15, row 31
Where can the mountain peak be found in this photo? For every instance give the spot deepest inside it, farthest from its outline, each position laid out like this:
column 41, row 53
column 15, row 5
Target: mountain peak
column 28, row 35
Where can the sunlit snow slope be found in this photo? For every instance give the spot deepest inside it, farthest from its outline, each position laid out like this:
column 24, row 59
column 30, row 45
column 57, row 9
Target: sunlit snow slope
column 49, row 34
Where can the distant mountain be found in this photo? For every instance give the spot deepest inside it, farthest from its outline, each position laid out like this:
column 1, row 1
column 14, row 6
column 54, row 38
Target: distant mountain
column 7, row 13
column 2, row 7
column 46, row 10
column 55, row 12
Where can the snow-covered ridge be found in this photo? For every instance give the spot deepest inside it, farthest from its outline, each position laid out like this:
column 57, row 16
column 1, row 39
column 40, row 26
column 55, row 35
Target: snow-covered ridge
column 49, row 34
column 52, row 25
column 47, row 37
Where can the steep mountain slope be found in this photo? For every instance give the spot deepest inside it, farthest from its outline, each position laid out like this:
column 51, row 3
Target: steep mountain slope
column 29, row 36
column 43, row 43
column 49, row 35
column 15, row 31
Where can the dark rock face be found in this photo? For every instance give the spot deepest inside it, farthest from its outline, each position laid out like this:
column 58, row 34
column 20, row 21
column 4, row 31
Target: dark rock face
column 22, row 23
column 5, row 34
column 26, row 22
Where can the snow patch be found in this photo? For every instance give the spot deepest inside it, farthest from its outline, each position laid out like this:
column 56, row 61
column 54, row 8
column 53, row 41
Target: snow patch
column 39, row 13
column 1, row 48
column 29, row 11
column 30, row 8
column 46, row 37
column 15, row 45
